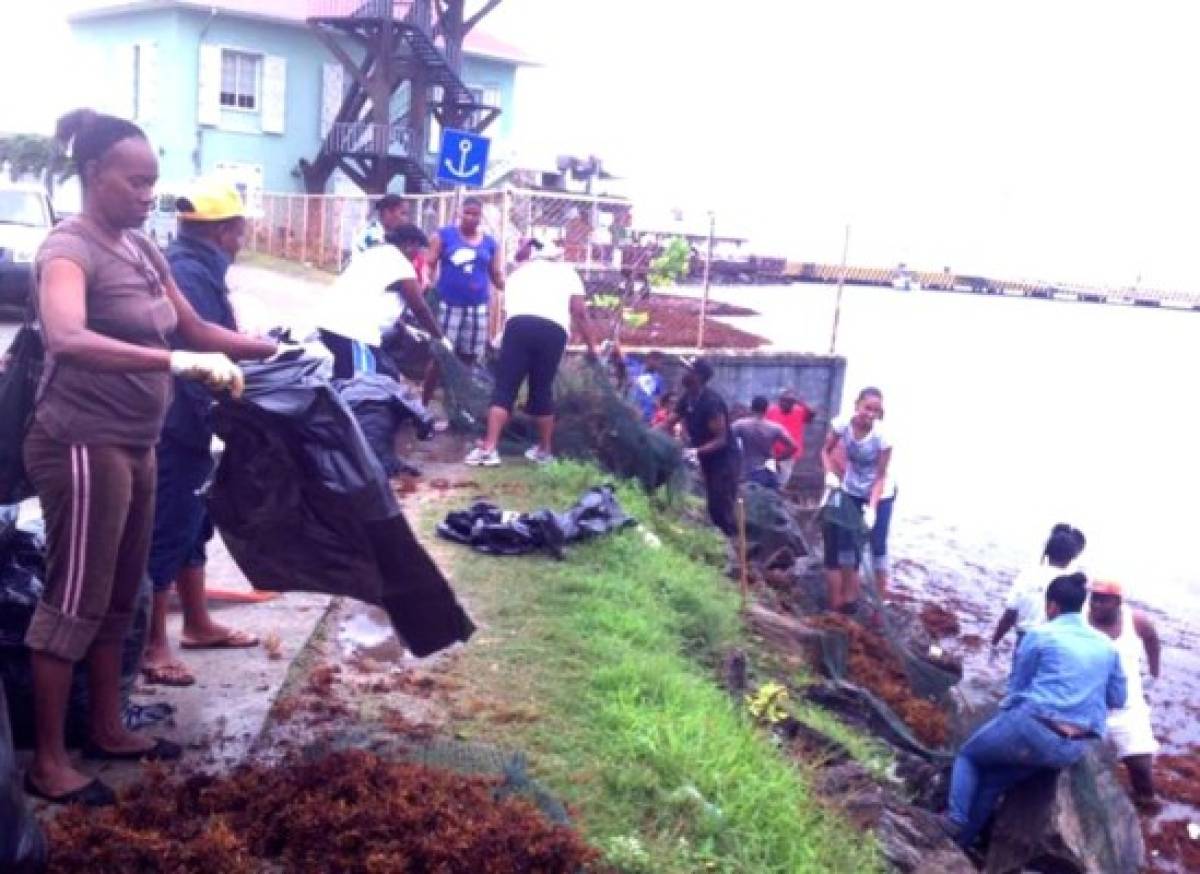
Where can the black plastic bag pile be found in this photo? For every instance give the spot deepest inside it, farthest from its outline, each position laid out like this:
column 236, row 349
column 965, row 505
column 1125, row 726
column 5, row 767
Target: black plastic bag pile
column 488, row 529
column 22, row 570
column 303, row 505
column 381, row 406
column 22, row 844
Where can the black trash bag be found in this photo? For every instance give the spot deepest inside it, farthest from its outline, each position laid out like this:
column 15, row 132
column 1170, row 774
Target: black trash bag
column 405, row 353
column 22, row 569
column 493, row 531
column 18, row 390
column 381, row 405
column 22, row 843
column 488, row 529
column 304, row 506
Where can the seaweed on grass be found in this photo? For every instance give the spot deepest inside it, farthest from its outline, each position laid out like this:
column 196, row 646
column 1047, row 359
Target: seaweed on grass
column 349, row 812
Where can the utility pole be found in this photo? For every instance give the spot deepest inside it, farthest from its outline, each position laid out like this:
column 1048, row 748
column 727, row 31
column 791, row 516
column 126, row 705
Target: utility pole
column 712, row 227
column 837, row 310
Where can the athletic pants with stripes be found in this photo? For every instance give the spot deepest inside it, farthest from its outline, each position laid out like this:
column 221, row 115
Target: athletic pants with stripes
column 98, row 503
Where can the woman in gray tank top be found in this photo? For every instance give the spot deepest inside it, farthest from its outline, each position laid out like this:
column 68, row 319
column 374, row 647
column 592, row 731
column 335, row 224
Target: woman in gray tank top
column 862, row 479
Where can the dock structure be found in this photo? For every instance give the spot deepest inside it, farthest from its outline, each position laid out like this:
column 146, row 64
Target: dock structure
column 889, row 277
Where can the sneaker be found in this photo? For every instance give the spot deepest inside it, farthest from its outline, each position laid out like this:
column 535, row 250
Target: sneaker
column 536, row 455
column 480, row 457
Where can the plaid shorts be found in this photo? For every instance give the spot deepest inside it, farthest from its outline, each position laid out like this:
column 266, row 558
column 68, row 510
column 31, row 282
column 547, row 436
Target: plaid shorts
column 467, row 328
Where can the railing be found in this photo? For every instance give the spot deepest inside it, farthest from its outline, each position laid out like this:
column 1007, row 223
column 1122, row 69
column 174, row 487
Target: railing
column 320, row 229
column 394, row 9
column 364, row 137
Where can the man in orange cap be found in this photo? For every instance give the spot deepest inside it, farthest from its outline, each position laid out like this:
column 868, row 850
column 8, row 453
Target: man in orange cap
column 1129, row 728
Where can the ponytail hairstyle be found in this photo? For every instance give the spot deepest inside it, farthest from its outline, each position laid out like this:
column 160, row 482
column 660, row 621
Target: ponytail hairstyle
column 86, row 136
column 1065, row 544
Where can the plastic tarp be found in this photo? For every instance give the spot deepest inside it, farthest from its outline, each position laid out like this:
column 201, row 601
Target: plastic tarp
column 18, row 389
column 381, row 405
column 22, row 844
column 491, row 530
column 303, row 505
column 22, row 569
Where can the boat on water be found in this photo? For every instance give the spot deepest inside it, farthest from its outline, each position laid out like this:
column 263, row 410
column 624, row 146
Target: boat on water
column 904, row 280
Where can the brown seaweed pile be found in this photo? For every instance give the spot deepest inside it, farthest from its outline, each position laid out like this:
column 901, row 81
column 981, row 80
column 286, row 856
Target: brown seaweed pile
column 875, row 666
column 348, row 812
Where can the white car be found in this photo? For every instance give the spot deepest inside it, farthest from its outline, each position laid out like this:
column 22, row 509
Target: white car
column 26, row 217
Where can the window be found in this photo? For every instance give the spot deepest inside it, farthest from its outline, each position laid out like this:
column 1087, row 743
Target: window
column 487, row 95
column 241, row 73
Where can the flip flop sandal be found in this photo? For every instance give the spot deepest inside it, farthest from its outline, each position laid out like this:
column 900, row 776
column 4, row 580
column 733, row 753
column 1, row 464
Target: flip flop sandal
column 162, row 751
column 233, row 640
column 94, row 794
column 168, row 675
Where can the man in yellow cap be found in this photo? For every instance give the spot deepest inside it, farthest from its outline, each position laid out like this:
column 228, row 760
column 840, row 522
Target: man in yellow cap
column 212, row 227
column 1129, row 728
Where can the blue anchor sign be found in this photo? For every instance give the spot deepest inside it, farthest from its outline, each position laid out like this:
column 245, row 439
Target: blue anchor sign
column 463, row 157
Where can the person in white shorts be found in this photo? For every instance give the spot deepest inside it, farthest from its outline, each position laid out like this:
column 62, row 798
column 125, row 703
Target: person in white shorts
column 1129, row 729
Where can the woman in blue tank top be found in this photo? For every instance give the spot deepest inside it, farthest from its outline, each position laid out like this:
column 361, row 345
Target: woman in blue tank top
column 465, row 263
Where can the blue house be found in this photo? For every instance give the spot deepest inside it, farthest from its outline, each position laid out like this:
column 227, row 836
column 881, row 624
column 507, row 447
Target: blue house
column 246, row 88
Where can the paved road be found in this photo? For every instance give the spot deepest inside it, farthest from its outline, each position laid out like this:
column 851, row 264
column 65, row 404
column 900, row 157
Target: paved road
column 263, row 297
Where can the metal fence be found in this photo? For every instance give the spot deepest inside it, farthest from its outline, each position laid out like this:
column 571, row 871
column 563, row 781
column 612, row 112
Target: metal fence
column 320, row 230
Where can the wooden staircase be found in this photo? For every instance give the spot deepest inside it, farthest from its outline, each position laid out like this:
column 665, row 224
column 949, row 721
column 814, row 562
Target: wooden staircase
column 365, row 141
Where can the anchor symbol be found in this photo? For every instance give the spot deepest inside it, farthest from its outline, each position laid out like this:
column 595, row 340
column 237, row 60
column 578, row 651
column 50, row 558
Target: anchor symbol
column 462, row 171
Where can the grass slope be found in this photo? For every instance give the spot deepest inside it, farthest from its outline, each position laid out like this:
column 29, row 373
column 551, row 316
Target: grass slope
column 604, row 663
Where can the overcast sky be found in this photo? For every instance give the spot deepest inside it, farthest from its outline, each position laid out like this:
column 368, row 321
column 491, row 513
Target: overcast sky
column 1056, row 140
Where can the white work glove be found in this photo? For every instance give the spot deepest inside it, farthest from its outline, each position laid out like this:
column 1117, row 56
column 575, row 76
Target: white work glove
column 832, row 480
column 691, row 456
column 446, row 344
column 771, row 465
column 869, row 517
column 211, row 368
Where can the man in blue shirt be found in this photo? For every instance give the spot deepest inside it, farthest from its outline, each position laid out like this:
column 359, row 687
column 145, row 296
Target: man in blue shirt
column 464, row 263
column 212, row 227
column 1065, row 678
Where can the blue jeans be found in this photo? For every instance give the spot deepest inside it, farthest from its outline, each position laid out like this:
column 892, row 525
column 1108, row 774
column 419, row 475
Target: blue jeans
column 1011, row 747
column 181, row 523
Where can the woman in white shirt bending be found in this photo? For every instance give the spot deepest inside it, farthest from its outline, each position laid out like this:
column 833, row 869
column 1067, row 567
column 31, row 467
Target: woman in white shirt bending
column 538, row 303
column 1026, row 604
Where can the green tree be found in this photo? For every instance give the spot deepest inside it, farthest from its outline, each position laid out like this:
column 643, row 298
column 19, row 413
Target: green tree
column 32, row 155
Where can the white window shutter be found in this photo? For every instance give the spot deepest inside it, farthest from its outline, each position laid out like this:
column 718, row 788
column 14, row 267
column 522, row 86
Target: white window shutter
column 274, row 94
column 147, row 76
column 121, row 101
column 208, row 106
column 332, row 90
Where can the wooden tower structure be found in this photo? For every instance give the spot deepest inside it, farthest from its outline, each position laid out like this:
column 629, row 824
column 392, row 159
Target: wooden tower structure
column 398, row 80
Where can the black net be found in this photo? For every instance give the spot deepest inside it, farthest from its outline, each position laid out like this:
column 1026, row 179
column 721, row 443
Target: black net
column 466, row 390
column 929, row 674
column 597, row 424
column 593, row 422
column 773, row 536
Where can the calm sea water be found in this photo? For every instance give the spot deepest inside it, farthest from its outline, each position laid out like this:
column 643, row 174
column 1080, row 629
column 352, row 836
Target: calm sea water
column 1009, row 415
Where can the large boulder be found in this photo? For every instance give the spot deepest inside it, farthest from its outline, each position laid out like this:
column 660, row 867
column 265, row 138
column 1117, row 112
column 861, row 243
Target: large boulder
column 910, row 838
column 1077, row 821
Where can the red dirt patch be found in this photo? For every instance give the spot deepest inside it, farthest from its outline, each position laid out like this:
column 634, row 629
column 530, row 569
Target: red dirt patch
column 1177, row 778
column 1174, row 843
column 873, row 665
column 675, row 321
column 349, row 812
column 939, row 622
